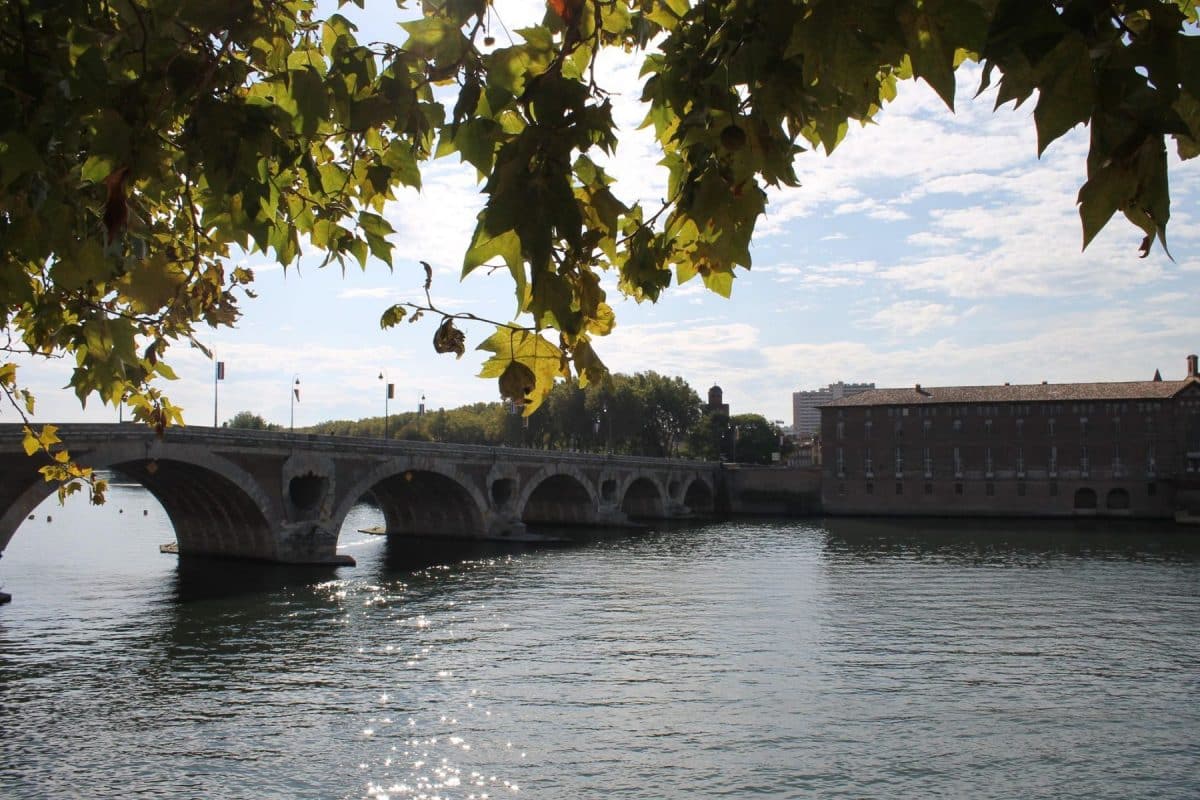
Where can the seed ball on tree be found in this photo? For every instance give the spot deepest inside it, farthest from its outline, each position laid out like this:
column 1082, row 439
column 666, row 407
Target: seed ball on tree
column 733, row 138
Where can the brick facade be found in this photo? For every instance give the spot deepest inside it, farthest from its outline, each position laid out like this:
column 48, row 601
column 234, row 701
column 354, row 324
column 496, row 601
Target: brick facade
column 1120, row 449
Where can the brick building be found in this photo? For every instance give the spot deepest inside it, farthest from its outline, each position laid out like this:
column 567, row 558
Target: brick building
column 1120, row 449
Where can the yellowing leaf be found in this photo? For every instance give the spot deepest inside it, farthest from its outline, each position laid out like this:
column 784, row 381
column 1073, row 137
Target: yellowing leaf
column 604, row 321
column 49, row 436
column 152, row 283
column 392, row 317
column 543, row 360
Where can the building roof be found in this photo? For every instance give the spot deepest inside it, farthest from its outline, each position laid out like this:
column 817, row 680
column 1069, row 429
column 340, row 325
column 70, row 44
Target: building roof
column 1015, row 393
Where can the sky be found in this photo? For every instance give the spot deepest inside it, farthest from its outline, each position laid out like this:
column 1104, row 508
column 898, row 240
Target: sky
column 932, row 248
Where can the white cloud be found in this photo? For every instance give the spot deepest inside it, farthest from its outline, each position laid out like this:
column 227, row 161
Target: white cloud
column 374, row 293
column 930, row 239
column 1116, row 344
column 911, row 317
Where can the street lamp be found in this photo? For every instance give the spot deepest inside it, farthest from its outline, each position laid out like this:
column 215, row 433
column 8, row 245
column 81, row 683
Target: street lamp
column 218, row 375
column 294, row 399
column 389, row 391
column 608, row 420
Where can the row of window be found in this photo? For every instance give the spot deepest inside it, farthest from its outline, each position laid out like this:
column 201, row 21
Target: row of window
column 957, row 426
column 1023, row 410
column 990, row 464
column 1115, row 500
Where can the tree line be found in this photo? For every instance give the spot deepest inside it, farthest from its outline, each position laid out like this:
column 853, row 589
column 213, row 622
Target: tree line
column 642, row 414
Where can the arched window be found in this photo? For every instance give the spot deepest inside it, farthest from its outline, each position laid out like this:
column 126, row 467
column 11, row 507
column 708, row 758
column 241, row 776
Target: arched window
column 1117, row 499
column 1085, row 499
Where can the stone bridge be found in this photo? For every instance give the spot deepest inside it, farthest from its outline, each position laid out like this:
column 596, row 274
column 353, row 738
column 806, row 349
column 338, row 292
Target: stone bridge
column 282, row 497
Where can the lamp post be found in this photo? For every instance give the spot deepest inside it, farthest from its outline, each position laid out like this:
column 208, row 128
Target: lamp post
column 294, row 399
column 389, row 390
column 608, row 421
column 218, row 376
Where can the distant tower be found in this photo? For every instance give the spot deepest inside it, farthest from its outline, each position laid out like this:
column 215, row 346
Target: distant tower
column 716, row 404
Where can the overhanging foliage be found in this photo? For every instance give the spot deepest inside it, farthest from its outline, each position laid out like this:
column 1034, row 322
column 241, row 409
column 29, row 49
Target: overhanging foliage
column 142, row 142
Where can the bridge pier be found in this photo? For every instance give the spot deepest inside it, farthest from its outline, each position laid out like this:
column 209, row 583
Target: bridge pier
column 309, row 543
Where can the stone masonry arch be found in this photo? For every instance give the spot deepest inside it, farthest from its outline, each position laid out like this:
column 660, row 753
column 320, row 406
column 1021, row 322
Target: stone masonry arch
column 214, row 506
column 418, row 499
column 558, row 494
column 643, row 496
column 699, row 497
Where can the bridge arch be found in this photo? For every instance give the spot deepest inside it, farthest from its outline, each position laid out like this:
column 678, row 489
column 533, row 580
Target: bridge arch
column 643, row 497
column 699, row 496
column 560, row 495
column 215, row 507
column 419, row 501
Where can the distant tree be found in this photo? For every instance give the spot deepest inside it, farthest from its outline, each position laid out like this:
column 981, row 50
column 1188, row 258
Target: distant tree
column 711, row 438
column 248, row 420
column 615, row 411
column 755, row 438
column 670, row 410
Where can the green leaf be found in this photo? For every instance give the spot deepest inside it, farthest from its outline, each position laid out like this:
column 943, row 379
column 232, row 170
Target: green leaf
column 1102, row 196
column 719, row 281
column 17, row 157
column 476, row 142
column 403, row 161
column 932, row 56
column 1066, row 90
column 76, row 270
column 311, row 97
column 507, row 246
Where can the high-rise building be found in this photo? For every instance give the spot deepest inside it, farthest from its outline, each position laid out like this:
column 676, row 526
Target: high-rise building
column 806, row 417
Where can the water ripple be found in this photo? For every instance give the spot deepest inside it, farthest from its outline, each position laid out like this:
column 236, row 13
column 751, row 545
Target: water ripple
column 749, row 659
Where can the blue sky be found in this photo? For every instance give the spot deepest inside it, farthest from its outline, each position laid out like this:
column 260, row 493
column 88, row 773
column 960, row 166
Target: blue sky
column 932, row 248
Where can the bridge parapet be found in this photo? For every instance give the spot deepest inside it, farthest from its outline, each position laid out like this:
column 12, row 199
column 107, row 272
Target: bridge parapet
column 283, row 497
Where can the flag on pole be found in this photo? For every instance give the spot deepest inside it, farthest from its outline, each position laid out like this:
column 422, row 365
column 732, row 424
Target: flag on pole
column 296, row 391
column 391, row 391
column 220, row 370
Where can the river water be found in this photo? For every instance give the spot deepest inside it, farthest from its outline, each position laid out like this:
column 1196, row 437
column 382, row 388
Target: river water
column 764, row 658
